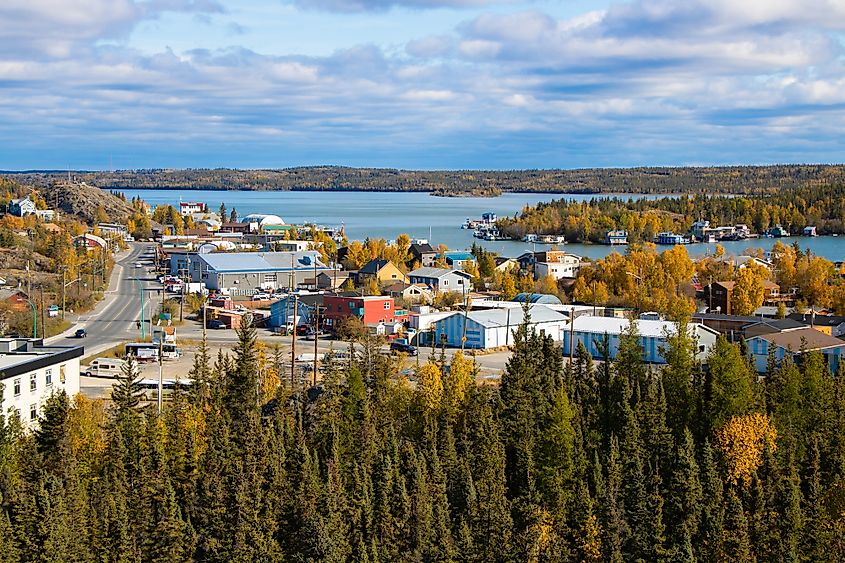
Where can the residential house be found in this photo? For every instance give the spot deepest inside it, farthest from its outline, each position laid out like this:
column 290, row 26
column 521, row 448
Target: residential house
column 423, row 254
column 770, row 326
column 829, row 324
column 494, row 327
column 245, row 271
column 456, row 259
column 718, row 295
column 442, row 279
column 591, row 332
column 732, row 326
column 334, row 279
column 14, row 299
column 22, row 207
column 537, row 299
column 382, row 271
column 190, row 207
column 504, row 264
column 90, row 242
column 795, row 343
column 409, row 292
column 30, row 372
column 567, row 268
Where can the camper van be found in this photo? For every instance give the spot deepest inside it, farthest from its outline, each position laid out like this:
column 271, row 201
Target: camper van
column 149, row 388
column 105, row 367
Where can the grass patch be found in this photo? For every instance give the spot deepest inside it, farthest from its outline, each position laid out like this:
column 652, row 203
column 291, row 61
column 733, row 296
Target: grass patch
column 118, row 351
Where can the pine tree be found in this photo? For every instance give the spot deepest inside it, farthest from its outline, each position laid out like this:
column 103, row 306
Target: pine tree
column 127, row 391
column 734, row 544
column 614, row 527
column 684, row 500
column 52, row 430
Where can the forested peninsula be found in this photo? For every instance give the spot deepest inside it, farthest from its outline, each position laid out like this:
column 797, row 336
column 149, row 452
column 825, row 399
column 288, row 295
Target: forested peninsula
column 646, row 180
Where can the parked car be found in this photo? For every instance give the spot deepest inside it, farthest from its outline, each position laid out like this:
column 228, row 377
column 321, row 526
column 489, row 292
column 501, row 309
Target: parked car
column 80, row 333
column 216, row 323
column 260, row 296
column 303, row 330
column 403, row 347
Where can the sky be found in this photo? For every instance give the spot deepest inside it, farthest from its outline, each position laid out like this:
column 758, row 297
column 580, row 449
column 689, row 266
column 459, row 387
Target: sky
column 419, row 84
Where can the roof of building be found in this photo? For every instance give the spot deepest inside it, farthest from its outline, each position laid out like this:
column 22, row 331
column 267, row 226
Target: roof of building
column 9, row 292
column 421, row 249
column 223, row 262
column 614, row 325
column 818, row 320
column 373, row 266
column 263, row 219
column 725, row 318
column 540, row 298
column 22, row 355
column 427, row 272
column 778, row 324
column 513, row 316
column 457, row 255
column 93, row 238
column 808, row 338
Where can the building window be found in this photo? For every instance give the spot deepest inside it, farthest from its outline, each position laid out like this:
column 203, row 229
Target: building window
column 17, row 387
column 351, row 305
column 33, row 411
column 62, row 374
column 48, row 377
column 33, row 381
column 387, row 305
column 445, row 282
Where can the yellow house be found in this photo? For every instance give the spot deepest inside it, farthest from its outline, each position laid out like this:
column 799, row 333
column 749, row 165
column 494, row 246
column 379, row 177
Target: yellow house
column 383, row 271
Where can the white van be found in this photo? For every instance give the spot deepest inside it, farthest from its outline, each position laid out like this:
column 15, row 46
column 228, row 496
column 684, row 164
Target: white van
column 105, row 367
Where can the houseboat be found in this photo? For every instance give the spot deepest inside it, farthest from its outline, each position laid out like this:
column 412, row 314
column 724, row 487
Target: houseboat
column 616, row 237
column 809, row 232
column 778, row 232
column 552, row 239
column 530, row 237
column 671, row 239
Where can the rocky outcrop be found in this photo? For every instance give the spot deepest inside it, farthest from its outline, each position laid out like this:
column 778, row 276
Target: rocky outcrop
column 83, row 200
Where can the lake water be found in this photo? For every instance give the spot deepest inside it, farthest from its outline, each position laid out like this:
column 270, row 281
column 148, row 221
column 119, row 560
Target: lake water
column 388, row 214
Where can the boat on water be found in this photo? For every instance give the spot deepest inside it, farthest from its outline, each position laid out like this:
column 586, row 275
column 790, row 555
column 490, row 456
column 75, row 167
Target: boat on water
column 671, row 239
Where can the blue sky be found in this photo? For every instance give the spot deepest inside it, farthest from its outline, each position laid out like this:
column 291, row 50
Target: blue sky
column 419, row 83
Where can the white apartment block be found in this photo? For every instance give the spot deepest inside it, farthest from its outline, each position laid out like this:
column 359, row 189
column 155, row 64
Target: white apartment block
column 30, row 372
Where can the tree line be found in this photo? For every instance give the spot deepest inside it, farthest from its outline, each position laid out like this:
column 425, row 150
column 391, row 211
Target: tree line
column 650, row 180
column 822, row 206
column 564, row 461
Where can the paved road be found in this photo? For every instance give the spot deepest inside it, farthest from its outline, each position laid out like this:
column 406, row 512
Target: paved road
column 113, row 320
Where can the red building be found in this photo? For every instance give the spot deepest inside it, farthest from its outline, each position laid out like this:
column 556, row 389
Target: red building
column 372, row 309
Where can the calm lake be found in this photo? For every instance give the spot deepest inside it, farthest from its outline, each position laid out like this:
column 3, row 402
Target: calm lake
column 387, row 214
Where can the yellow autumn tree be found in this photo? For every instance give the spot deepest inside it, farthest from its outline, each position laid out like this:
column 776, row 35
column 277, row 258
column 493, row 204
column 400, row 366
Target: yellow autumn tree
column 742, row 441
column 459, row 380
column 430, row 386
column 748, row 292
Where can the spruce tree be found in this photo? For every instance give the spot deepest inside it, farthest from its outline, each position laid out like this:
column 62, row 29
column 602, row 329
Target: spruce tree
column 127, row 391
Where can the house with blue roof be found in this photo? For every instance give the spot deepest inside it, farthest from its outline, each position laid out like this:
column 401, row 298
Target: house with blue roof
column 492, row 328
column 456, row 259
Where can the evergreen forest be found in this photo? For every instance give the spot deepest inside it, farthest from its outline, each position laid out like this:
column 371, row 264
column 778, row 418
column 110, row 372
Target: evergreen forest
column 581, row 460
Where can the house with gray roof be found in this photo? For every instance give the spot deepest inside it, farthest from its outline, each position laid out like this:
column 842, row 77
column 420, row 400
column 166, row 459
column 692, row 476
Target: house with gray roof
column 442, row 279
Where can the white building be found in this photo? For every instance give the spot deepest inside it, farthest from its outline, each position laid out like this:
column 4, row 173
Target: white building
column 30, row 372
column 566, row 269
column 191, row 207
column 591, row 331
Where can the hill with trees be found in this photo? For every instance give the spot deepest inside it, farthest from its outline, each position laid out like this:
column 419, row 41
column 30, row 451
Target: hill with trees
column 654, row 180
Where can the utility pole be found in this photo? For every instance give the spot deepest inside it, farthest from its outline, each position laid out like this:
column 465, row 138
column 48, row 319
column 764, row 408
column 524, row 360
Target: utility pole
column 316, row 338
column 63, row 292
column 160, row 359
column 293, row 346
